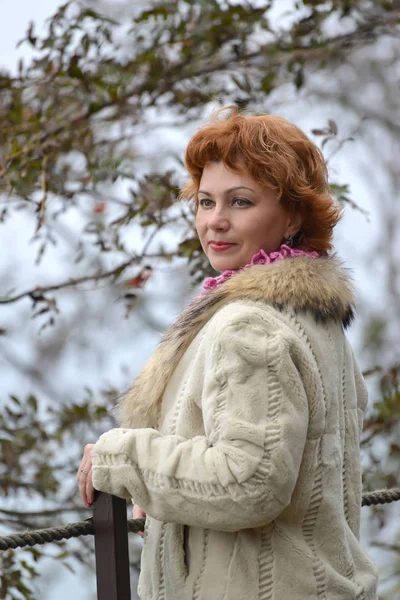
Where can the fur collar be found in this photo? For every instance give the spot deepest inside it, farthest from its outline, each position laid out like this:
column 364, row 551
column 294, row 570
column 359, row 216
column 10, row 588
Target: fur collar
column 320, row 286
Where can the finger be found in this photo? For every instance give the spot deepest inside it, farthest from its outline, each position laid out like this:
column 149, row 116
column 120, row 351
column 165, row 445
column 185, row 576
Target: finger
column 83, row 471
column 86, row 460
column 82, row 485
column 89, row 487
column 138, row 513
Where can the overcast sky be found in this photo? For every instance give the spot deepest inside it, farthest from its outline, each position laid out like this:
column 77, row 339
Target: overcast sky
column 15, row 16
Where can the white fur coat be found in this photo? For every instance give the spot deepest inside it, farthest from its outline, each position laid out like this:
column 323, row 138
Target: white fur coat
column 240, row 440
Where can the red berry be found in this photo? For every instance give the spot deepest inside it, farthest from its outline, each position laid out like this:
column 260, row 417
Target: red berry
column 100, row 207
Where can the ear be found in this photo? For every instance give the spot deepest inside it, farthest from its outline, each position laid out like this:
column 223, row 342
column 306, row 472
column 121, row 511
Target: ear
column 293, row 223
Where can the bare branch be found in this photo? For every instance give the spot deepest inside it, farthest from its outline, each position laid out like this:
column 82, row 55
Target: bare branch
column 38, row 292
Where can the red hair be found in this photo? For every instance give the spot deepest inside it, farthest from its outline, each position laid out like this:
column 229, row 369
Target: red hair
column 275, row 153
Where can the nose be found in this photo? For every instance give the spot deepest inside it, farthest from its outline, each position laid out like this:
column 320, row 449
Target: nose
column 218, row 220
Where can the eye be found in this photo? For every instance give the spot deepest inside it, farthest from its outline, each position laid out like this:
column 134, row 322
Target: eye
column 242, row 202
column 203, row 201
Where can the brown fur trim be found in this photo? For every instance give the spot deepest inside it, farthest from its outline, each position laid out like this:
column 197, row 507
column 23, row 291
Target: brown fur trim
column 319, row 286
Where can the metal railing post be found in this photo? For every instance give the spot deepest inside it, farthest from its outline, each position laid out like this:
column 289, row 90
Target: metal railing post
column 111, row 548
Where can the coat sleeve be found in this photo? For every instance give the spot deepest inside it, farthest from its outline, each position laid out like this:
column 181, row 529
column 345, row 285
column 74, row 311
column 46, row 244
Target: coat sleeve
column 242, row 472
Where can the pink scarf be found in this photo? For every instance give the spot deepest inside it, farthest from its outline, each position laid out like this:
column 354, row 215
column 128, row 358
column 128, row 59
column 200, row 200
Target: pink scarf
column 260, row 258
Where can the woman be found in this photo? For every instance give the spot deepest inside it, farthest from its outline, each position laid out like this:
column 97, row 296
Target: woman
column 240, row 437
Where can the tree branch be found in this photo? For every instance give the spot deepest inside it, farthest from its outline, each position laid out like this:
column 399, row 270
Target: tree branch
column 37, row 293
column 385, row 546
column 178, row 75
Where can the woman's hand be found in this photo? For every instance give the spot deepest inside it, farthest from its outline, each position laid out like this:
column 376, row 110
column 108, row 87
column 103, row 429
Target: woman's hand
column 85, row 483
column 84, row 477
column 138, row 514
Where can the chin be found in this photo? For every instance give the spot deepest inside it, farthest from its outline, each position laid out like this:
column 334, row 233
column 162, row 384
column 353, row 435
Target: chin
column 224, row 264
column 229, row 260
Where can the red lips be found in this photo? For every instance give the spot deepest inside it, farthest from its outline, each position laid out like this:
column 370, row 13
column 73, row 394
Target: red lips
column 220, row 246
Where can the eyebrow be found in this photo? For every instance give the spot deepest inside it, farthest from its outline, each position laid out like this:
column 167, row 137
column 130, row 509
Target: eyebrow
column 239, row 187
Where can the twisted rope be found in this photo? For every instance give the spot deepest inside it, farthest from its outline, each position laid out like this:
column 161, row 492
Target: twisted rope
column 42, row 536
column 380, row 497
column 65, row 532
column 55, row 534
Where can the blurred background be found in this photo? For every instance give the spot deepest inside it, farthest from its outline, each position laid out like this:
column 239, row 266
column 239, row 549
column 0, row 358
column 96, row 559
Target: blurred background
column 97, row 104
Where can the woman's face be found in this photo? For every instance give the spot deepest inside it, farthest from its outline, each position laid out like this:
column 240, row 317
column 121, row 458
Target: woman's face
column 236, row 210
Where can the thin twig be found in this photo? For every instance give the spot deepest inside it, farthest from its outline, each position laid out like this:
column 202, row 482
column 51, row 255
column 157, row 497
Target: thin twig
column 37, row 292
column 288, row 53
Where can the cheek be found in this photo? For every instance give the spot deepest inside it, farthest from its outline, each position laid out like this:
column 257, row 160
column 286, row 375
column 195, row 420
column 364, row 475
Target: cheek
column 256, row 225
column 199, row 226
column 261, row 226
